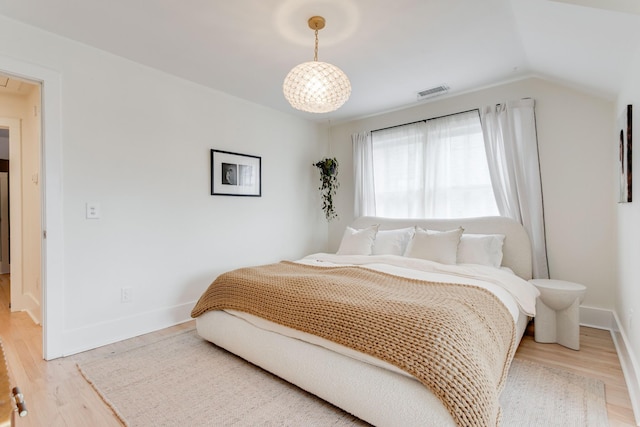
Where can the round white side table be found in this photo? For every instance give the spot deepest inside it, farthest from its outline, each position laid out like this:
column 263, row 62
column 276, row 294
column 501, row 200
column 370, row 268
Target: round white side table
column 557, row 312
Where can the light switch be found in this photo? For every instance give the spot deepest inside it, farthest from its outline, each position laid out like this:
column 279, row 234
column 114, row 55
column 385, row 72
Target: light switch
column 93, row 210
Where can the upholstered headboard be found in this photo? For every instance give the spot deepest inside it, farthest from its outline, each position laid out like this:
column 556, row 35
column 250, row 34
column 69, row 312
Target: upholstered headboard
column 516, row 249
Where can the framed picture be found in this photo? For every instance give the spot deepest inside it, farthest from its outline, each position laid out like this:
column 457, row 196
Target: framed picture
column 624, row 155
column 234, row 174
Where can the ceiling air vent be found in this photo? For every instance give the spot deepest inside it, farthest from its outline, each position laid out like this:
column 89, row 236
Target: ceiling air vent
column 434, row 91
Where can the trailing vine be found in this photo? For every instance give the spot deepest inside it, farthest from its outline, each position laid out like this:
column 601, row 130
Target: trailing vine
column 328, row 185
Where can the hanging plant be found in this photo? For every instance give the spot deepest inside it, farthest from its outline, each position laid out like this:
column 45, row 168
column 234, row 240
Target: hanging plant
column 329, row 183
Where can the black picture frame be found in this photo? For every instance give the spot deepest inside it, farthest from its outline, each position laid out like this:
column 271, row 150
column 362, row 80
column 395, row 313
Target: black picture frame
column 624, row 156
column 235, row 174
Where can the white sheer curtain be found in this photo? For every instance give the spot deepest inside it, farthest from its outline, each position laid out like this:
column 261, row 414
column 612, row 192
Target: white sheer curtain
column 512, row 151
column 432, row 169
column 365, row 197
column 398, row 161
column 458, row 182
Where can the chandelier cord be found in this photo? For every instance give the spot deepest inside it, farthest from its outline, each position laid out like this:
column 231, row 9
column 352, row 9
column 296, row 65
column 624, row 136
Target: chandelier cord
column 315, row 54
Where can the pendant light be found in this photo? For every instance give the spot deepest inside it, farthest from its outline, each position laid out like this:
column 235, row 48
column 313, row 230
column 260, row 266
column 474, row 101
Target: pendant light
column 316, row 87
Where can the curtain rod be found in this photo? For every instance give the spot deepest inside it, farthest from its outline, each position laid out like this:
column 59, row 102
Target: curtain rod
column 426, row 120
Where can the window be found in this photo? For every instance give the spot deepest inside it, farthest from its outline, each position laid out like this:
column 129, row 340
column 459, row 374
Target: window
column 432, row 169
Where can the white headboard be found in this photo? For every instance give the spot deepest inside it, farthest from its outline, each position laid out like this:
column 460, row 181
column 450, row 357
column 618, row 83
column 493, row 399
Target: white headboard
column 516, row 249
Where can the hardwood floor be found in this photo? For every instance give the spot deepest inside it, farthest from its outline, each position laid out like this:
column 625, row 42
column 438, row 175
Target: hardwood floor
column 597, row 358
column 55, row 392
column 57, row 395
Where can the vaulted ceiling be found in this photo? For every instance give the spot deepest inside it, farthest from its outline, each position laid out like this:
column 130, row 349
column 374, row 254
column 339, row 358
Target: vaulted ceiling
column 389, row 49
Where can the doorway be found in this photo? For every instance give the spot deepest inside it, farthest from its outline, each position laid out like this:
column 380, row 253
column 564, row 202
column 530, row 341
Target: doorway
column 20, row 124
column 52, row 254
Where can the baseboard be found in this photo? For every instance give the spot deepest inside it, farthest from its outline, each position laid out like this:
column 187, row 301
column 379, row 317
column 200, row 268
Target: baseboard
column 596, row 318
column 100, row 334
column 33, row 317
column 33, row 308
column 629, row 365
column 607, row 319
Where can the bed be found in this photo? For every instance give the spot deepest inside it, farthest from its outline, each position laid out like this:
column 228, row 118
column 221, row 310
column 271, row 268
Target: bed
column 492, row 259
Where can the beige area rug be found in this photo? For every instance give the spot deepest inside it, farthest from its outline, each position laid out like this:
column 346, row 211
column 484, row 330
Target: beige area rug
column 186, row 381
column 537, row 395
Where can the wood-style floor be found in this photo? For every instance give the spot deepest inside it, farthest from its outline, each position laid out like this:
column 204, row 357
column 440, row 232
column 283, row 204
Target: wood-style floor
column 57, row 395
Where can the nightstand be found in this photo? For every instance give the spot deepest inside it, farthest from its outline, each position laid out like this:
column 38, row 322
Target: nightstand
column 557, row 312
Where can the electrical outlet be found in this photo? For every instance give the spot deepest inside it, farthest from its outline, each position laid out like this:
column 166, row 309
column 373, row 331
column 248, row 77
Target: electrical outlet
column 93, row 211
column 126, row 295
column 630, row 320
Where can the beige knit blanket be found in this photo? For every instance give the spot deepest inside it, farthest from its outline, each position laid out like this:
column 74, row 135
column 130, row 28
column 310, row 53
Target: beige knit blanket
column 457, row 340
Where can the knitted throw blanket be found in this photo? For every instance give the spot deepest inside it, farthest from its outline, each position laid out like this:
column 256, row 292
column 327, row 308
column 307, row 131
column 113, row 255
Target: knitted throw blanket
column 457, row 340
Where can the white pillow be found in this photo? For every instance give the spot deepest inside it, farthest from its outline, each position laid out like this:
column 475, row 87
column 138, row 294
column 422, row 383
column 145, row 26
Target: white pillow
column 357, row 242
column 392, row 242
column 439, row 246
column 484, row 249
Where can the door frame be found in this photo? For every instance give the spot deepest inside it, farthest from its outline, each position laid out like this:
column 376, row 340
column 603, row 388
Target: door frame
column 51, row 194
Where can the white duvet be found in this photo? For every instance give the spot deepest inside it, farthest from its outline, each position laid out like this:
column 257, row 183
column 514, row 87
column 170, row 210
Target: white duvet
column 508, row 287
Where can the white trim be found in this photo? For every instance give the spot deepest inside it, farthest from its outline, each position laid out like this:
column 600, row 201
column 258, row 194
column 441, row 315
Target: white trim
column 607, row 319
column 629, row 365
column 52, row 205
column 104, row 333
column 596, row 318
column 33, row 304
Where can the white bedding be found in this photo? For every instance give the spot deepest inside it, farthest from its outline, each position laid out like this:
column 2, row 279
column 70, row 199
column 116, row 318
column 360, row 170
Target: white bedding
column 369, row 388
column 508, row 287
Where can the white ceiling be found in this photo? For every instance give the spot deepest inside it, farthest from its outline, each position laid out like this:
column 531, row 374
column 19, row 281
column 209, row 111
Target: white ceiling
column 390, row 49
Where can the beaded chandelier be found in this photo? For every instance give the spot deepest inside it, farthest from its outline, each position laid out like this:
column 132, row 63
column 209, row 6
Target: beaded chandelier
column 316, row 87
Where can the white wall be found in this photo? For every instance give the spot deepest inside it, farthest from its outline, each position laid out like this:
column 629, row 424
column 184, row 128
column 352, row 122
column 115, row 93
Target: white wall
column 137, row 142
column 628, row 235
column 574, row 135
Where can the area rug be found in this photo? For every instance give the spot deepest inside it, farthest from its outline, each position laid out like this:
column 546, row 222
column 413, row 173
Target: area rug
column 184, row 380
column 537, row 395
